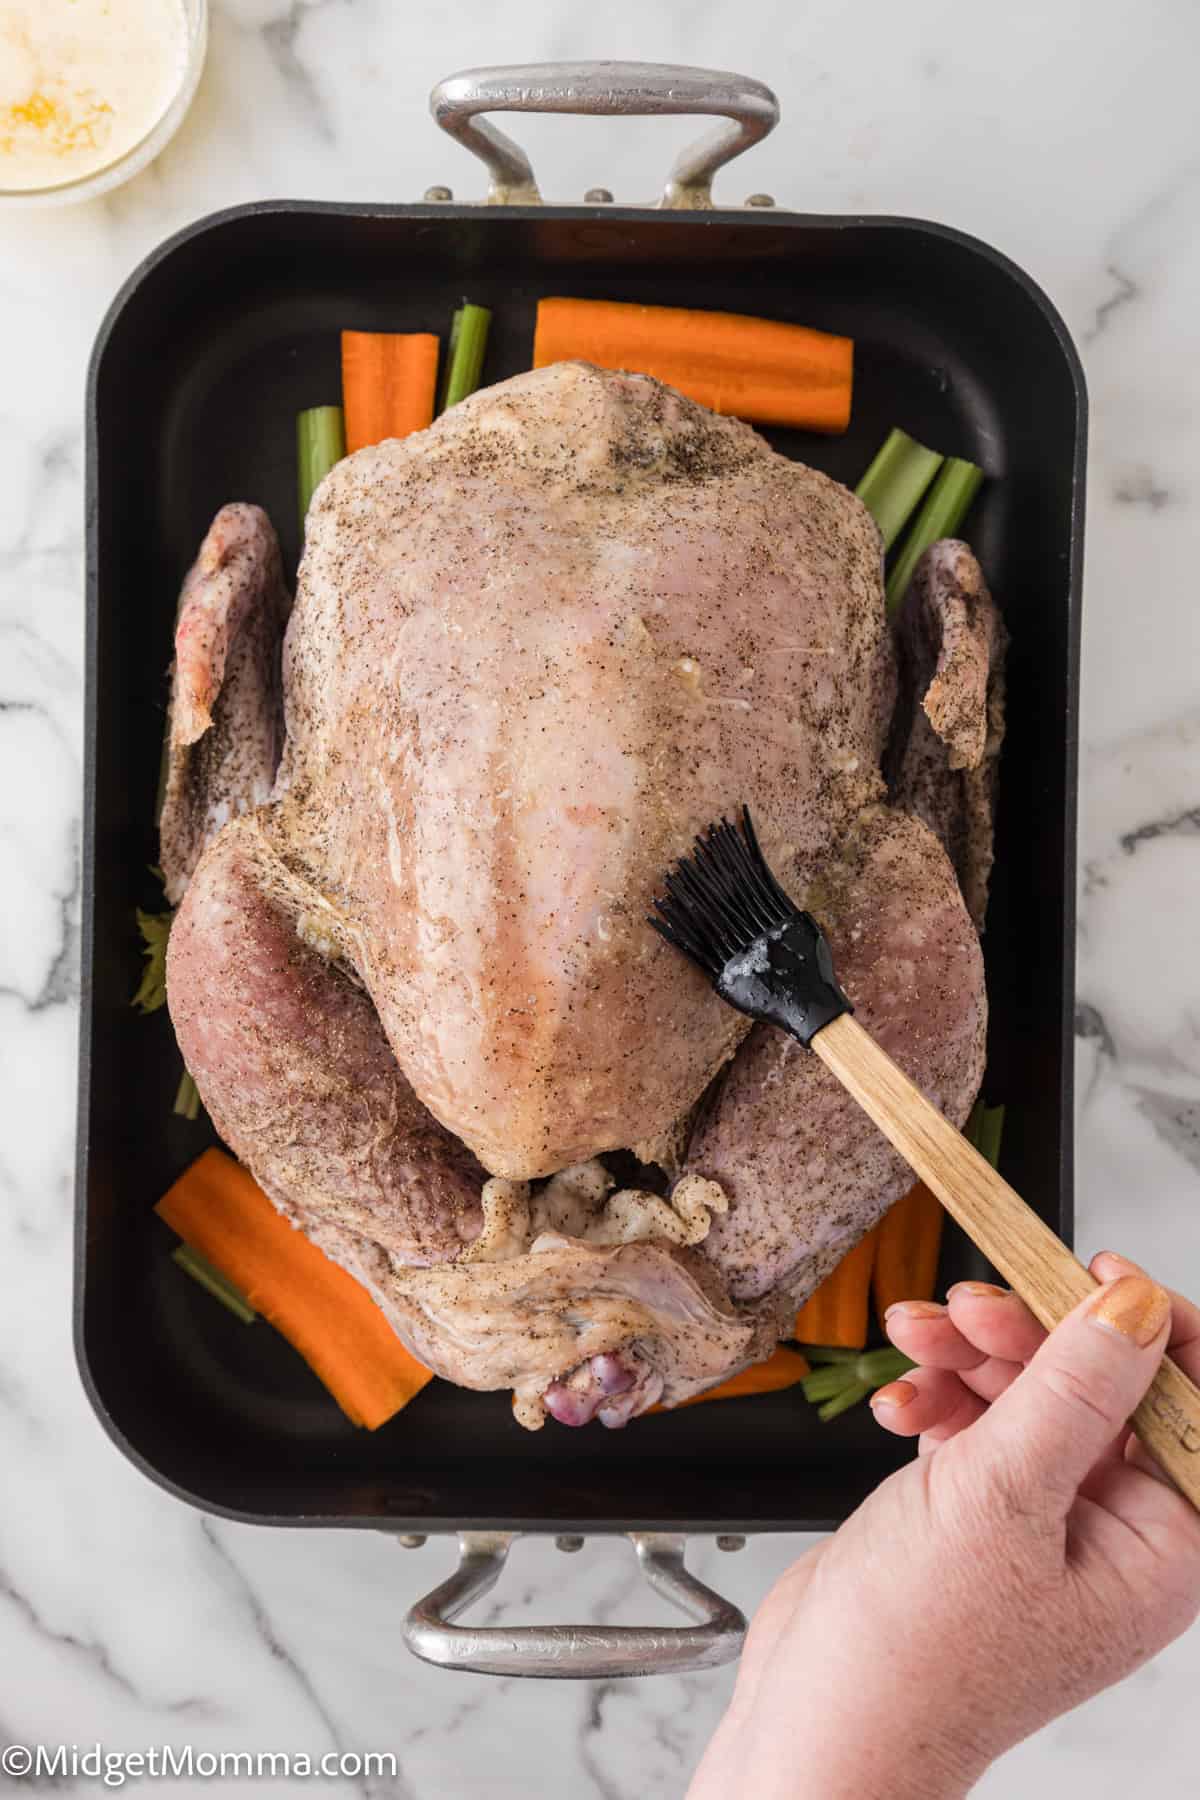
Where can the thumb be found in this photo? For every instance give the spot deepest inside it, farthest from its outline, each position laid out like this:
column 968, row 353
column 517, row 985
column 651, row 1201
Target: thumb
column 1047, row 1431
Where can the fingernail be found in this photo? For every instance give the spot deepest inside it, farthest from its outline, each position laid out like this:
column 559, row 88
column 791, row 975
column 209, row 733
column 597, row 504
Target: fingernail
column 1126, row 1262
column 896, row 1393
column 1132, row 1306
column 916, row 1309
column 986, row 1290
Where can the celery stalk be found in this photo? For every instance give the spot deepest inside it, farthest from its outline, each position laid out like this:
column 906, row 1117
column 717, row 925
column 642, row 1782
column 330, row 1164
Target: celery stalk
column 152, row 989
column 824, row 1383
column 187, row 1098
column 216, row 1283
column 842, row 1402
column 844, row 1377
column 464, row 353
column 941, row 516
column 830, row 1353
column 451, row 353
column 895, row 482
column 984, row 1129
column 878, row 1367
column 320, row 443
column 988, row 1134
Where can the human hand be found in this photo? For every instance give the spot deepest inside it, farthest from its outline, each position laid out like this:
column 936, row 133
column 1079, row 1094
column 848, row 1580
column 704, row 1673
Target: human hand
column 981, row 1591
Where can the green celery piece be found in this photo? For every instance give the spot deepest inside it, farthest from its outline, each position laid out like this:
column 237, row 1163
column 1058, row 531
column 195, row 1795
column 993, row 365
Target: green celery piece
column 984, row 1129
column 187, row 1098
column 320, row 443
column 895, row 482
column 878, row 1367
column 946, row 506
column 840, row 1403
column 971, row 1129
column 989, row 1133
column 152, row 989
column 451, row 353
column 217, row 1284
column 834, row 1387
column 830, row 1353
column 464, row 353
column 823, row 1383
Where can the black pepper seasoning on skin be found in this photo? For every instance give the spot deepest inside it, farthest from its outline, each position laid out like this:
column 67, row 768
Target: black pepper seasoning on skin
column 232, row 614
column 465, row 599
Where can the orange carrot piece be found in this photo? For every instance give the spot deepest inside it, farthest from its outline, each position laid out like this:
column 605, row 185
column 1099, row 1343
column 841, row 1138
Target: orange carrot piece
column 388, row 383
column 783, row 1369
column 758, row 369
column 906, row 1256
column 837, row 1311
column 217, row 1207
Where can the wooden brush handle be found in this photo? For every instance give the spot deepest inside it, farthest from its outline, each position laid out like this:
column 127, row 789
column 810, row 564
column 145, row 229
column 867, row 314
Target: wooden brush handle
column 1035, row 1262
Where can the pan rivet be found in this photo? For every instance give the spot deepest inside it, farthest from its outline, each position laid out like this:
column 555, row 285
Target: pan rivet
column 439, row 193
column 411, row 1540
column 598, row 197
column 568, row 1541
column 760, row 200
column 730, row 1541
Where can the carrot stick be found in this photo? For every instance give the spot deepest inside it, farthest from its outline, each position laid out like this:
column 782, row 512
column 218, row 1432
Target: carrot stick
column 836, row 1312
column 756, row 368
column 218, row 1208
column 906, row 1255
column 781, row 1370
column 388, row 384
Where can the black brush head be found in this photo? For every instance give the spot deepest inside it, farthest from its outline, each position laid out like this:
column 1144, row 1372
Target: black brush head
column 722, row 897
column 725, row 910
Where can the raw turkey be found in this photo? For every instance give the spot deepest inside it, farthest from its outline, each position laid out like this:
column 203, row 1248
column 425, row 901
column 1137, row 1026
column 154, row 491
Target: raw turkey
column 534, row 650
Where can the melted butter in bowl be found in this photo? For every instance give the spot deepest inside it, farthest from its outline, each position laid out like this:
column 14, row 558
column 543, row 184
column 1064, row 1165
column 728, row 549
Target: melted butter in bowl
column 84, row 83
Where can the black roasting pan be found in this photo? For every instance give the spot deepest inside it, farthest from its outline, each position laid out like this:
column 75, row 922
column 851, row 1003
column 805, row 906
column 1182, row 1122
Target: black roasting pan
column 208, row 352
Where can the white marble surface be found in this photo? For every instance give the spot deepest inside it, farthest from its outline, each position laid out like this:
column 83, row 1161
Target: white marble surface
column 1062, row 131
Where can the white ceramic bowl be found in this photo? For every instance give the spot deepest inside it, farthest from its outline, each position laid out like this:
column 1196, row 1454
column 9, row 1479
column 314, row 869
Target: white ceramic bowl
column 102, row 181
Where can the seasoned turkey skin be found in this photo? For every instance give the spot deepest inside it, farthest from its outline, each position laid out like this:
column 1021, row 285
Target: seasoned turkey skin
column 945, row 752
column 534, row 651
column 292, row 1059
column 226, row 726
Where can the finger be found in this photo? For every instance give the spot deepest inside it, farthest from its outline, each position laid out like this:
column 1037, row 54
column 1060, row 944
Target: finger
column 992, row 1378
column 995, row 1320
column 988, row 1377
column 1168, row 1525
column 1049, row 1428
column 926, row 1333
column 1184, row 1340
column 926, row 1399
column 1183, row 1343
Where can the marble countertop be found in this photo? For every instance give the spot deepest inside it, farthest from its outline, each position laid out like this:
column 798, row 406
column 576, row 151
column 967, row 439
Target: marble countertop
column 1062, row 132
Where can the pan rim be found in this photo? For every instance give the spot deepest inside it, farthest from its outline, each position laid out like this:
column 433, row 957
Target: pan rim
column 748, row 221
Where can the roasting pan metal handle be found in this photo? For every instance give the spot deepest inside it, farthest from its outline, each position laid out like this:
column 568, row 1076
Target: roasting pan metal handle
column 574, row 1652
column 619, row 89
